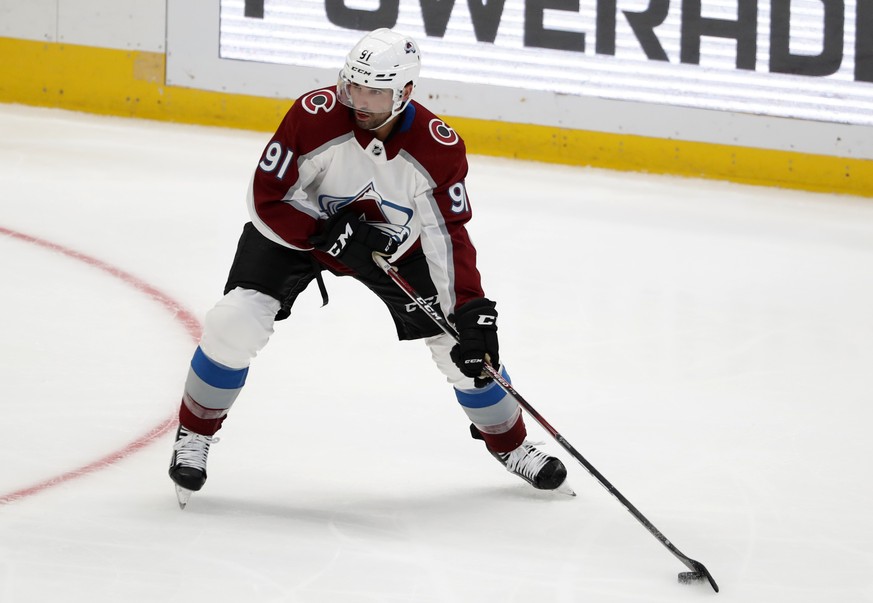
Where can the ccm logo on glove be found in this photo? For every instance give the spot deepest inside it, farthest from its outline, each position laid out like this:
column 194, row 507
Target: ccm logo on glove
column 476, row 322
column 340, row 244
column 352, row 241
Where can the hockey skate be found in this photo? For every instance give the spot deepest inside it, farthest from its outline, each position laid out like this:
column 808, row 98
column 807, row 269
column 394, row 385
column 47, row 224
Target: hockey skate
column 537, row 468
column 188, row 463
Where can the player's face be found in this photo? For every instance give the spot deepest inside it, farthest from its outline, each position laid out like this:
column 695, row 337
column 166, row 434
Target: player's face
column 371, row 100
column 372, row 106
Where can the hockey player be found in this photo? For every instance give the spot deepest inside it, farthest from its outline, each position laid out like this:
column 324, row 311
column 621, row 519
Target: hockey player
column 351, row 170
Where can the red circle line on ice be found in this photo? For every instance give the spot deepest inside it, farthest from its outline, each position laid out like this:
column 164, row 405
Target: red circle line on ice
column 183, row 316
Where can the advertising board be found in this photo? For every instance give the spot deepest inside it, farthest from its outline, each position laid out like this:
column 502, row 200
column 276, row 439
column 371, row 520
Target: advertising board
column 807, row 59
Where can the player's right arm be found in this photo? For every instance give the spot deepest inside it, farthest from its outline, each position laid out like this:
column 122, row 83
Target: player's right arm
column 277, row 201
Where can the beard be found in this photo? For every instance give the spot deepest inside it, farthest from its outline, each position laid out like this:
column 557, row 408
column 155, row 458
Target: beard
column 369, row 121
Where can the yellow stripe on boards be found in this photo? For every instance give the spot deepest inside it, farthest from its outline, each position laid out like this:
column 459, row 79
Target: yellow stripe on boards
column 131, row 84
column 125, row 83
column 627, row 152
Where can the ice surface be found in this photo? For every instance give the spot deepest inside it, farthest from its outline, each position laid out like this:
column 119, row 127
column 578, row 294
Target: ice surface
column 707, row 346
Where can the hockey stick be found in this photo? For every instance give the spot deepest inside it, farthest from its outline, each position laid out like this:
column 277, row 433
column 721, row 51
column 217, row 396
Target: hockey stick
column 698, row 570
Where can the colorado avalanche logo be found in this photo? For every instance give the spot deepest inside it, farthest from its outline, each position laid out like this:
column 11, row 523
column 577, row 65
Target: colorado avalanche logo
column 320, row 100
column 390, row 218
column 442, row 133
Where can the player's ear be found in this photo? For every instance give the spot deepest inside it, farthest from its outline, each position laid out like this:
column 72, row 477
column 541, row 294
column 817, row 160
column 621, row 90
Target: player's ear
column 407, row 91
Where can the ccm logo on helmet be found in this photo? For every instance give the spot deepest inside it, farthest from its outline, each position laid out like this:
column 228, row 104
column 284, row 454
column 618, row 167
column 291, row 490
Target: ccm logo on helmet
column 442, row 133
column 320, row 100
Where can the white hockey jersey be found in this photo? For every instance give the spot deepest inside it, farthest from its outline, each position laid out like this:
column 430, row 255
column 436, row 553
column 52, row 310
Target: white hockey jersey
column 319, row 163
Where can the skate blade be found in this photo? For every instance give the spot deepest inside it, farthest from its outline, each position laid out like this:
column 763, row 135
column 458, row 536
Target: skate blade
column 183, row 495
column 565, row 488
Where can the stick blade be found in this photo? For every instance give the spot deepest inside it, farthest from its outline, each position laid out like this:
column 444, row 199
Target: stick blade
column 699, row 574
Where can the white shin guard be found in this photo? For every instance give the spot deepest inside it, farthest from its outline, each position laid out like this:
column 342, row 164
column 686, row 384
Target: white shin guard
column 238, row 327
column 488, row 408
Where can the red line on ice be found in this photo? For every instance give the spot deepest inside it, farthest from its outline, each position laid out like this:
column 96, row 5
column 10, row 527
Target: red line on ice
column 188, row 320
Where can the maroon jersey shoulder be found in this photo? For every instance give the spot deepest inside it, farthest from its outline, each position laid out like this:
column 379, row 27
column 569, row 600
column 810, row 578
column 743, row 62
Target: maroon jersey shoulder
column 314, row 119
column 435, row 145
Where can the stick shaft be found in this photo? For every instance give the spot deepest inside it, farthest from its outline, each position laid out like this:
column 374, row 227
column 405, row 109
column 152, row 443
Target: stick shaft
column 440, row 320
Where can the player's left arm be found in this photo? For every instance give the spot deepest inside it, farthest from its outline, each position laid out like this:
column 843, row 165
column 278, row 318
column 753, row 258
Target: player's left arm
column 474, row 315
column 444, row 210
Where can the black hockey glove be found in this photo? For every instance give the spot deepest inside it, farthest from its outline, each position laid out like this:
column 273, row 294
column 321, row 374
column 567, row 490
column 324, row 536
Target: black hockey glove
column 353, row 241
column 476, row 322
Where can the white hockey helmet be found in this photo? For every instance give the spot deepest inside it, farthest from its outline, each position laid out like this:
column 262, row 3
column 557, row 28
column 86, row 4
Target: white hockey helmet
column 383, row 59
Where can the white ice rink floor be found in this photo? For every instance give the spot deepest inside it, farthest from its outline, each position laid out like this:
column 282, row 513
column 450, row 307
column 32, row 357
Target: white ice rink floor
column 707, row 346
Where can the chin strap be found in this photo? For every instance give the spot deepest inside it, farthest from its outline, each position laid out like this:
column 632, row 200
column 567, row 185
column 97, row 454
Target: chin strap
column 390, row 117
column 393, row 114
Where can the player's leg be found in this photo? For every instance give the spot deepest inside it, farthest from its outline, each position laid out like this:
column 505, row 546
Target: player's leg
column 497, row 420
column 234, row 331
column 263, row 283
column 496, row 417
